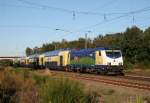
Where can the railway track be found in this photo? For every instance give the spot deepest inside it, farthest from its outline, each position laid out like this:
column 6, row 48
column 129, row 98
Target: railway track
column 142, row 78
column 126, row 81
column 118, row 82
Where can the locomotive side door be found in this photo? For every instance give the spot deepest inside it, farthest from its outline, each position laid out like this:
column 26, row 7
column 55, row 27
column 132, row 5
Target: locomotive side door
column 61, row 60
column 98, row 57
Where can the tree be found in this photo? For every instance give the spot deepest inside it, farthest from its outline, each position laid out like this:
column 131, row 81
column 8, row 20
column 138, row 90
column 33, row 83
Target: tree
column 29, row 51
column 109, row 40
column 131, row 43
column 36, row 50
column 146, row 45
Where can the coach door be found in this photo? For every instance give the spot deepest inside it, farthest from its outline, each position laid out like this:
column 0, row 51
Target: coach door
column 42, row 62
column 61, row 60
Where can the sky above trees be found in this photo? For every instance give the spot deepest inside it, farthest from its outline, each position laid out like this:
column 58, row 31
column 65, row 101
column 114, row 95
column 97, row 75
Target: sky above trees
column 31, row 23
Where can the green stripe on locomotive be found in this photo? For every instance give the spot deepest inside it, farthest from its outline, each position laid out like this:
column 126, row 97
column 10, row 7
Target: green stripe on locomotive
column 83, row 60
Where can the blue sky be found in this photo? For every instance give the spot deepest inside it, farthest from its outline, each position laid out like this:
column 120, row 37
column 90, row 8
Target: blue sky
column 33, row 22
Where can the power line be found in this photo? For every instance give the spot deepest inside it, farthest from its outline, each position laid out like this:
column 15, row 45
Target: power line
column 45, row 6
column 125, row 14
column 115, row 18
column 41, row 6
column 67, row 10
column 71, row 11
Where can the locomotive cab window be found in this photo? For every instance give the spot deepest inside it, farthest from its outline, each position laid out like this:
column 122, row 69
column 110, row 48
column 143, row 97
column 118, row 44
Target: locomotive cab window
column 113, row 54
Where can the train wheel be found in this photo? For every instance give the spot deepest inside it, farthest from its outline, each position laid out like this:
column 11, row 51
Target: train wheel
column 103, row 72
column 98, row 72
column 122, row 74
column 66, row 69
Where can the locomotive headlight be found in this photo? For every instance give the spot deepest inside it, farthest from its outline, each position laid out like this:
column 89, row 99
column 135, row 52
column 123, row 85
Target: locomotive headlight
column 120, row 63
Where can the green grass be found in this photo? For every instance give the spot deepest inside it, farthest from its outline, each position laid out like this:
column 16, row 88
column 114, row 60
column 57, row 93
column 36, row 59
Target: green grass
column 62, row 90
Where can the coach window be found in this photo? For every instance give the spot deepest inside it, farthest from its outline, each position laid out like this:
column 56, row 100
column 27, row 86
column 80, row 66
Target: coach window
column 99, row 53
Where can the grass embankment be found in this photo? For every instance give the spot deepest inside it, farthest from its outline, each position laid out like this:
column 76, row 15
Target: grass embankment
column 24, row 86
column 118, row 94
column 142, row 69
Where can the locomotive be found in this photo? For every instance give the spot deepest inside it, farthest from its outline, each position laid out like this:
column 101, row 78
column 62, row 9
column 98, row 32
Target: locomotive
column 100, row 60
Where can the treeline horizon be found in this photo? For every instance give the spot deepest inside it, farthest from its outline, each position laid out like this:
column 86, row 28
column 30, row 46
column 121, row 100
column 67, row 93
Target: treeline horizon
column 134, row 43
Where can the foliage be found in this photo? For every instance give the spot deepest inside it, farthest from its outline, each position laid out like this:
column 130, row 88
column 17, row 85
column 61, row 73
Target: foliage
column 40, row 80
column 65, row 91
column 24, row 86
column 131, row 44
column 147, row 99
column 5, row 63
column 127, row 65
column 29, row 51
column 14, row 88
column 61, row 91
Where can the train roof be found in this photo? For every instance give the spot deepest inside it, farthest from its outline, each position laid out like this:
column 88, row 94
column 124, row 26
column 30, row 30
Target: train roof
column 81, row 52
column 77, row 52
column 87, row 52
column 54, row 53
column 34, row 56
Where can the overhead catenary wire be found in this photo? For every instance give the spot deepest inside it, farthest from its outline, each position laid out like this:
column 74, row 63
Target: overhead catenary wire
column 71, row 11
column 91, row 26
column 115, row 18
column 45, row 6
column 42, row 6
column 36, row 5
column 74, row 12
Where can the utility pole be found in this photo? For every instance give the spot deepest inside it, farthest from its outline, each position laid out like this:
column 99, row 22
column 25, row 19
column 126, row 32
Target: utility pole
column 85, row 40
column 55, row 46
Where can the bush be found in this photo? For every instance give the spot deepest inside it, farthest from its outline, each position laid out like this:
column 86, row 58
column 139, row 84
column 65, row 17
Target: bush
column 61, row 91
column 14, row 88
column 5, row 63
column 22, row 86
column 147, row 99
column 40, row 80
column 145, row 64
column 92, row 97
column 127, row 65
column 1, row 67
column 65, row 91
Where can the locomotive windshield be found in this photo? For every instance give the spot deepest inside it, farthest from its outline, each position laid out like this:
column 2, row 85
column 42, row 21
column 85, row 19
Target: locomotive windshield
column 113, row 53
